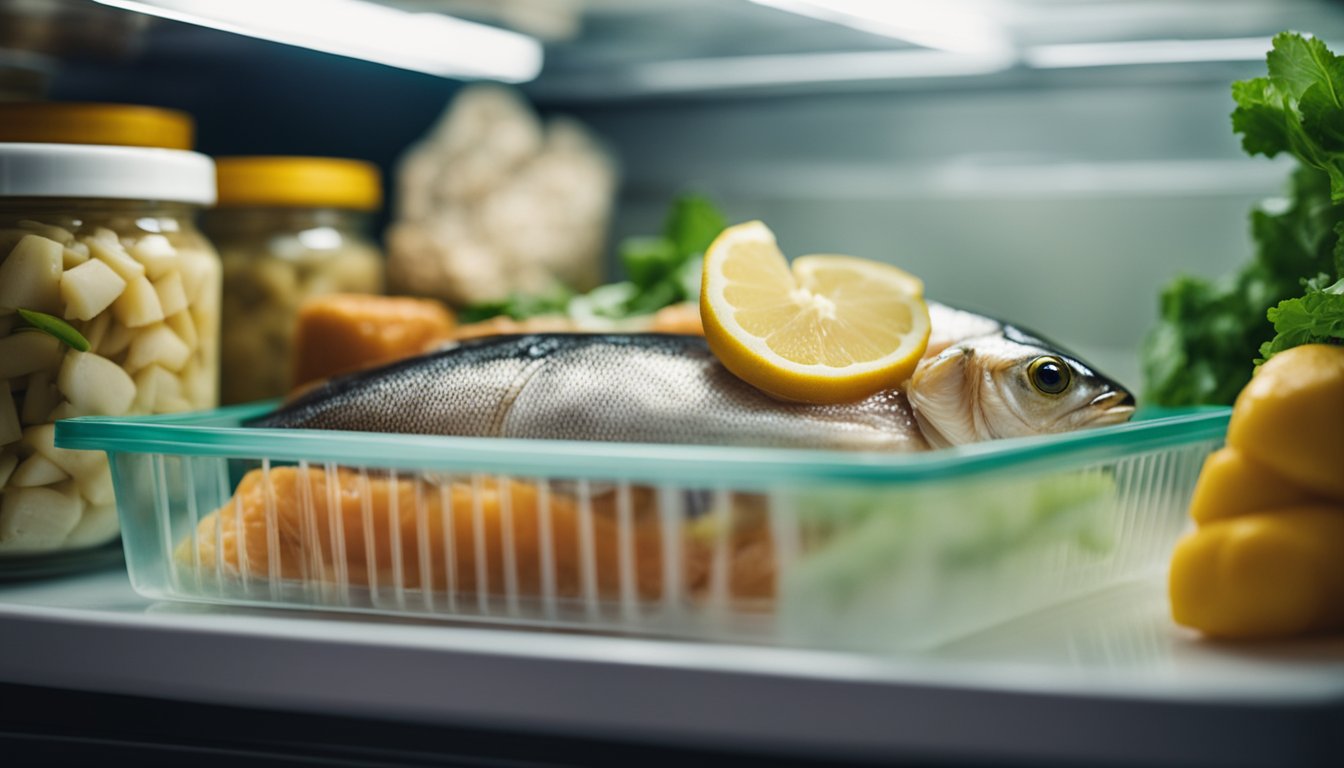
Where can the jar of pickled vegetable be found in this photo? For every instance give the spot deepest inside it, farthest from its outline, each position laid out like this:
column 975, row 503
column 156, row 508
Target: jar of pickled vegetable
column 287, row 228
column 109, row 305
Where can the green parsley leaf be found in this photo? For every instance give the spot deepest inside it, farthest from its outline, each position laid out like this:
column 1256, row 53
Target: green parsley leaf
column 649, row 260
column 1203, row 347
column 1316, row 318
column 1259, row 117
column 692, row 225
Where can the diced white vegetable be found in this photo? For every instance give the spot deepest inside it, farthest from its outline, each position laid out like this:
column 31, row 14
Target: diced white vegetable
column 74, row 255
column 111, row 252
column 27, row 351
column 97, row 488
column 95, row 329
column 157, row 345
column 156, row 253
column 40, row 399
column 68, row 411
column 155, row 386
column 31, row 275
column 277, row 279
column 49, row 231
column 138, row 305
column 174, row 405
column 90, row 288
column 198, row 272
column 84, row 466
column 116, row 340
column 172, row 297
column 37, row 470
column 95, row 383
column 10, row 238
column 355, row 271
column 37, row 518
column 97, row 526
column 206, row 321
column 10, row 431
column 106, row 235
column 183, row 326
column 8, row 461
column 200, row 388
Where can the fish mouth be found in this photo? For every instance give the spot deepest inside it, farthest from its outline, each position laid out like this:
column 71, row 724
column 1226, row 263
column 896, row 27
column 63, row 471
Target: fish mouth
column 1114, row 407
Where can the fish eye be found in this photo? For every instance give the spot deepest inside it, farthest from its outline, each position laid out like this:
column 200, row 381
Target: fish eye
column 1049, row 375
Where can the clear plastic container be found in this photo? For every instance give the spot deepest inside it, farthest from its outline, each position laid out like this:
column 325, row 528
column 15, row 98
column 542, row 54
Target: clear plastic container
column 102, row 238
column 807, row 548
column 287, row 228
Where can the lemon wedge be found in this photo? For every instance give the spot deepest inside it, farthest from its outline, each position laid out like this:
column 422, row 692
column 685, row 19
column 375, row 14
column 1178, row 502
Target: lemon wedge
column 832, row 329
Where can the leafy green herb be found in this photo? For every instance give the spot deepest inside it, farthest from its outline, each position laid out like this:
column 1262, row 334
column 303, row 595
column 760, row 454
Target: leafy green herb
column 648, row 260
column 1203, row 347
column 55, row 326
column 605, row 301
column 1298, row 108
column 1316, row 318
column 693, row 224
column 520, row 306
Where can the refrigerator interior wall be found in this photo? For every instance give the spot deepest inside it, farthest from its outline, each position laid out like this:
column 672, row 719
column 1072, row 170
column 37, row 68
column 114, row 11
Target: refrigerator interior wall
column 1060, row 197
column 1064, row 208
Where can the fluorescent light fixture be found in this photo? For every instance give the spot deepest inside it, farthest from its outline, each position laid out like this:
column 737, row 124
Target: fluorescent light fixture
column 800, row 68
column 1146, row 52
column 422, row 42
column 957, row 26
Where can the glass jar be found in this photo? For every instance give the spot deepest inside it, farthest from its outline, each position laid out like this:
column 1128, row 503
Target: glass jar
column 287, row 228
column 98, row 240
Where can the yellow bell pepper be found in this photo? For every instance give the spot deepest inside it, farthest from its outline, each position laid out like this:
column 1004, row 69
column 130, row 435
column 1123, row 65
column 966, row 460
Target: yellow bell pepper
column 1271, row 574
column 1291, row 417
column 1232, row 484
column 1268, row 557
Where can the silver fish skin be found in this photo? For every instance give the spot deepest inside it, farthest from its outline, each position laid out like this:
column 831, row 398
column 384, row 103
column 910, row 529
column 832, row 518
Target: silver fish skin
column 647, row 388
column 974, row 384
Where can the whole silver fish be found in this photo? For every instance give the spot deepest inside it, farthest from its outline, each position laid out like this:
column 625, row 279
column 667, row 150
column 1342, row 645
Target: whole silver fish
column 974, row 384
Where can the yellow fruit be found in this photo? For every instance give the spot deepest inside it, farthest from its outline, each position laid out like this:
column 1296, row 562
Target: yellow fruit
column 1291, row 417
column 1273, row 574
column 833, row 329
column 1232, row 484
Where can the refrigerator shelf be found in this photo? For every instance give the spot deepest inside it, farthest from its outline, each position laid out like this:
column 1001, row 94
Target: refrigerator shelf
column 1103, row 680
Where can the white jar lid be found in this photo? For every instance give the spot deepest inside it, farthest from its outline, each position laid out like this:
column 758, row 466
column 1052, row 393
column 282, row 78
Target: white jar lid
column 96, row 171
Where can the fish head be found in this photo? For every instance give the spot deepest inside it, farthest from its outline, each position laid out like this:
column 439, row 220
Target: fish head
column 1011, row 384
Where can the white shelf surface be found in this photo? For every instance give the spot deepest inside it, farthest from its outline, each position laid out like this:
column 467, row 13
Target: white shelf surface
column 1107, row 679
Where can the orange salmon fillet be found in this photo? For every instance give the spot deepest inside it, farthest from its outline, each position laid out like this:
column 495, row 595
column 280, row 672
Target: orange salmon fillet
column 410, row 519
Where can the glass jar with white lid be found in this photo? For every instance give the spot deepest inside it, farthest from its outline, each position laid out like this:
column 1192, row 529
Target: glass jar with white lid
column 109, row 305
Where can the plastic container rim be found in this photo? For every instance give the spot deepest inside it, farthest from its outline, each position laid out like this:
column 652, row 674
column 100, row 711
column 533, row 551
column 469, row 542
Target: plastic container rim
column 215, row 434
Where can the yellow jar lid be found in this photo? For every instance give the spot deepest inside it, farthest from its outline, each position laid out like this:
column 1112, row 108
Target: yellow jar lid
column 299, row 182
column 123, row 125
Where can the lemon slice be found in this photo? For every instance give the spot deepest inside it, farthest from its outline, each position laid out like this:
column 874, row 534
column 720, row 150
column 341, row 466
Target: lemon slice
column 832, row 329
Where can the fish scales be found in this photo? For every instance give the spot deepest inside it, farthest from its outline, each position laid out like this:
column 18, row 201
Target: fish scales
column 622, row 388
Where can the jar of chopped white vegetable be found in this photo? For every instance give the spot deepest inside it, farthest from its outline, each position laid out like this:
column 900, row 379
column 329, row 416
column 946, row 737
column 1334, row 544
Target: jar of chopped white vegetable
column 109, row 305
column 287, row 228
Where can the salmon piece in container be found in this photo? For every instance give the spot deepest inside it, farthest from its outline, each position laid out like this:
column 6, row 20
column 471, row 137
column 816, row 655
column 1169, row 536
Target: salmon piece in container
column 469, row 536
